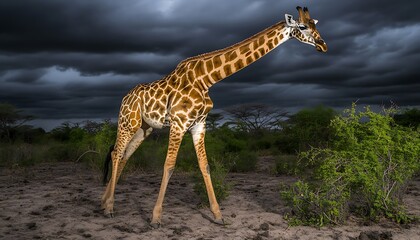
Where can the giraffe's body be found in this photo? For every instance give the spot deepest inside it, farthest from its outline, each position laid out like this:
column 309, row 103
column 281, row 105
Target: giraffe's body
column 181, row 101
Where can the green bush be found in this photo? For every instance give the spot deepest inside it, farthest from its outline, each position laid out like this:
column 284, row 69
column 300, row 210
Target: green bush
column 308, row 127
column 215, row 147
column 100, row 144
column 63, row 152
column 315, row 207
column 187, row 158
column 233, row 141
column 218, row 173
column 287, row 164
column 367, row 164
column 229, row 149
column 262, row 144
column 244, row 161
column 20, row 155
column 150, row 156
column 105, row 138
column 408, row 118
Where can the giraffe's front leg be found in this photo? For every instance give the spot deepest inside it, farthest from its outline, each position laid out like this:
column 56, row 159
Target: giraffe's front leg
column 157, row 210
column 198, row 133
column 175, row 138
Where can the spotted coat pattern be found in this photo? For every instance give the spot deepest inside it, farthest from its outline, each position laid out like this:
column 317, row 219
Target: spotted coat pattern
column 181, row 101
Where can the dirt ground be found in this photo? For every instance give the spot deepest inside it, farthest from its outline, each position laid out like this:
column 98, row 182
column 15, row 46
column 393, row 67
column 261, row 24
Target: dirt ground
column 62, row 201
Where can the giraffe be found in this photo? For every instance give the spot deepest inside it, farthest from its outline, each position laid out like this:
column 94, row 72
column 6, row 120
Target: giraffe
column 181, row 102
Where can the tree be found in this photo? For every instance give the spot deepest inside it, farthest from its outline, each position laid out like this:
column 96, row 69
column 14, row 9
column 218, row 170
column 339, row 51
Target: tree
column 256, row 117
column 92, row 127
column 10, row 118
column 27, row 134
column 63, row 132
column 212, row 120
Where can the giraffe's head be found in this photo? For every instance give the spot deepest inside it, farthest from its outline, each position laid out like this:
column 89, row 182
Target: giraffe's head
column 305, row 30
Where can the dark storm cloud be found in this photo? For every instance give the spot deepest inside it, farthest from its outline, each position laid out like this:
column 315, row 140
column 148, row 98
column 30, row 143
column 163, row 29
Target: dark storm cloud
column 93, row 63
column 77, row 59
column 80, row 26
column 23, row 75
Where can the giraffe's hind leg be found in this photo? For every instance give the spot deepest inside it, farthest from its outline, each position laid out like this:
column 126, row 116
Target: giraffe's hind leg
column 123, row 138
column 127, row 143
column 138, row 138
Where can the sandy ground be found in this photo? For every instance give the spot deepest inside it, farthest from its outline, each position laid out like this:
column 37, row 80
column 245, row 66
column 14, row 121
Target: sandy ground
column 62, row 201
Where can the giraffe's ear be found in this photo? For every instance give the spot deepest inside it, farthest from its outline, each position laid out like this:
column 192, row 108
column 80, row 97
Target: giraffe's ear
column 315, row 21
column 290, row 21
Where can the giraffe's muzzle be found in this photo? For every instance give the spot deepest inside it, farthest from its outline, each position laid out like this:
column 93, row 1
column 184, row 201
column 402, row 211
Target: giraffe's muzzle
column 320, row 45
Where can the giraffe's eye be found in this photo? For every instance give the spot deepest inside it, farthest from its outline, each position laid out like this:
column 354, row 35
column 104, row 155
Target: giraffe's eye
column 302, row 27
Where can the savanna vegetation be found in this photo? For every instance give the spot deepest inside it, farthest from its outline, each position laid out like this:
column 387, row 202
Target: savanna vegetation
column 356, row 162
column 363, row 170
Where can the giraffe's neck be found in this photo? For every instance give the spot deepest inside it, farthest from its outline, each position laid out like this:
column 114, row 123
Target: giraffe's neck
column 212, row 67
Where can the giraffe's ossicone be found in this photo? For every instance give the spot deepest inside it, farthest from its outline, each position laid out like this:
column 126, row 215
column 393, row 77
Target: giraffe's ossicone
column 181, row 102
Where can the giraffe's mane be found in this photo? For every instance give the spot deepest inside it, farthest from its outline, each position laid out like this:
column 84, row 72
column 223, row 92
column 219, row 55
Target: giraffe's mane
column 226, row 49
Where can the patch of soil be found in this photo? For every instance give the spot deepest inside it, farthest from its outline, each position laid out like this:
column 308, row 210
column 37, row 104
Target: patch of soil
column 62, row 201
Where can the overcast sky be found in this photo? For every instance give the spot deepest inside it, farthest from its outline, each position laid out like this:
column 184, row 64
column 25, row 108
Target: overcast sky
column 74, row 60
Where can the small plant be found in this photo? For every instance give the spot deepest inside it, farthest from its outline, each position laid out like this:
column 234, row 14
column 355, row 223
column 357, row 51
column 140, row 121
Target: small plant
column 218, row 175
column 102, row 141
column 150, row 156
column 287, row 164
column 187, row 158
column 244, row 161
column 368, row 163
column 325, row 205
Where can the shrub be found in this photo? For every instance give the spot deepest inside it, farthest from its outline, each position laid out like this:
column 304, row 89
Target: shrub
column 368, row 163
column 308, row 127
column 63, row 152
column 218, row 173
column 20, row 155
column 287, row 164
column 244, row 161
column 233, row 141
column 315, row 207
column 262, row 144
column 102, row 141
column 187, row 158
column 408, row 118
column 105, row 138
column 227, row 148
column 149, row 156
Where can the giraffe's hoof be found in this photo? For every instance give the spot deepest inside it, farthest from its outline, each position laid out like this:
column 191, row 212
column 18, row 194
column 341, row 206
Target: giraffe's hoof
column 109, row 215
column 222, row 222
column 155, row 225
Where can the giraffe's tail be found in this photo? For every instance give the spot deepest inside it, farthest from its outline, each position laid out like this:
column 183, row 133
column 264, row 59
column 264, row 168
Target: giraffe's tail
column 106, row 164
